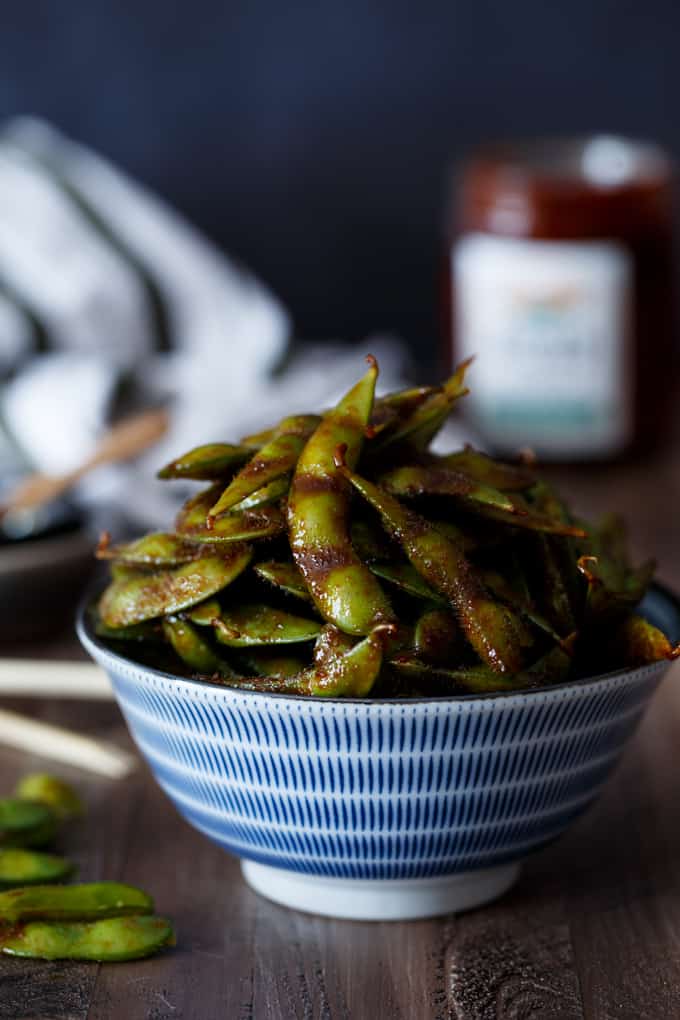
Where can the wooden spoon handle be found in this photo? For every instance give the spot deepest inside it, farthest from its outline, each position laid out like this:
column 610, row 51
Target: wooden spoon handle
column 121, row 442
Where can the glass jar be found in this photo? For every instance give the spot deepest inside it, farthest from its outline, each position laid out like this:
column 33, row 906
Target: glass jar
column 561, row 273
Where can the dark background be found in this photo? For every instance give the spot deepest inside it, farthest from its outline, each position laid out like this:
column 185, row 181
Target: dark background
column 313, row 140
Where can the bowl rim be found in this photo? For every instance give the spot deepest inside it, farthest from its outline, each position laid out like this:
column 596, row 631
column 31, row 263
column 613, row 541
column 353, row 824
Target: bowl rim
column 87, row 638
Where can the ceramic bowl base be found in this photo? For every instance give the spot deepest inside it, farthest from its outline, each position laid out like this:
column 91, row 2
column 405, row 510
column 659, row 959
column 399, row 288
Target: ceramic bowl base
column 380, row 899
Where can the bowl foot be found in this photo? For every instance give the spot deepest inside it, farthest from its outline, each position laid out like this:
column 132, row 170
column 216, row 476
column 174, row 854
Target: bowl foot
column 380, row 899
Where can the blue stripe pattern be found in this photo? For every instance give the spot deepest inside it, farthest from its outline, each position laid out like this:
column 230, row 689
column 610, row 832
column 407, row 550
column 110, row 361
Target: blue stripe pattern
column 392, row 789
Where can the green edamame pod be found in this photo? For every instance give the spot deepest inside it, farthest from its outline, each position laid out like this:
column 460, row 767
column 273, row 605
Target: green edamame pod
column 352, row 673
column 193, row 650
column 267, row 494
column 264, row 662
column 108, row 941
column 262, row 625
column 418, row 428
column 204, row 613
column 25, row 823
column 85, row 902
column 19, row 867
column 285, row 576
column 205, row 463
column 493, row 630
column 343, row 588
column 58, row 795
column 637, row 642
column 436, row 637
column 433, row 480
column 406, row 577
column 195, row 523
column 506, row 477
column 156, row 550
column 551, row 668
column 277, row 457
column 169, row 591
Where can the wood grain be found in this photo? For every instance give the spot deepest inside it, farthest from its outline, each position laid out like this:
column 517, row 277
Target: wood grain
column 591, row 932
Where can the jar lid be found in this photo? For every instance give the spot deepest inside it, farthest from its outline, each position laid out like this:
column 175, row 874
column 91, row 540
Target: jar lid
column 601, row 185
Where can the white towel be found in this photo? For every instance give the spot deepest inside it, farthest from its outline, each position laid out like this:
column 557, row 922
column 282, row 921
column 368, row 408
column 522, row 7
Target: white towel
column 105, row 289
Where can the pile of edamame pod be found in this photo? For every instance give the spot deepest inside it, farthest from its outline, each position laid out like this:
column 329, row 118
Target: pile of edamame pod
column 336, row 555
column 100, row 921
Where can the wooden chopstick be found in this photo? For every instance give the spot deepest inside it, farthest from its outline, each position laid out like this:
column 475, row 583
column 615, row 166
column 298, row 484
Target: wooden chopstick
column 63, row 745
column 44, row 678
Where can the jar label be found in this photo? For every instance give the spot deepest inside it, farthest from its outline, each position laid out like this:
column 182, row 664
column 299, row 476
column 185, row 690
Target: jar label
column 548, row 323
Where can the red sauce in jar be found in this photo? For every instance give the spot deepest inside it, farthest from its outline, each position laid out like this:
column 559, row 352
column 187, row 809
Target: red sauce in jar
column 560, row 274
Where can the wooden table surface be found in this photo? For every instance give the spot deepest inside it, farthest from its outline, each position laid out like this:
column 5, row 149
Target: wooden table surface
column 592, row 929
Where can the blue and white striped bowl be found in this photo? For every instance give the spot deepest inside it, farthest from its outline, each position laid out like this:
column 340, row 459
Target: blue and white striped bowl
column 382, row 809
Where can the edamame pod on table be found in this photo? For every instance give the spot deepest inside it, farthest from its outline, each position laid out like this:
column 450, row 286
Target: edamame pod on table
column 25, row 823
column 20, row 867
column 195, row 523
column 343, row 588
column 108, row 941
column 169, row 591
column 277, row 457
column 494, row 631
column 84, row 902
column 56, row 794
column 205, row 463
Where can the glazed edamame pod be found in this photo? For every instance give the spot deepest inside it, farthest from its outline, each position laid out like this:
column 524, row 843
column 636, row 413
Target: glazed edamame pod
column 87, row 901
column 612, row 592
column 24, row 823
column 194, row 521
column 501, row 587
column 267, row 494
column 371, row 543
column 56, row 794
column 205, row 463
column 169, row 591
column 551, row 668
column 506, row 477
column 265, row 662
column 136, row 632
column 156, row 550
column 437, row 638
column 284, row 576
column 406, row 577
column 19, row 867
column 419, row 427
column 204, row 613
column 247, row 625
column 349, row 674
column 343, row 588
column 637, row 642
column 528, row 520
column 432, row 480
column 494, row 631
column 277, row 457
column 107, row 941
column 193, row 650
